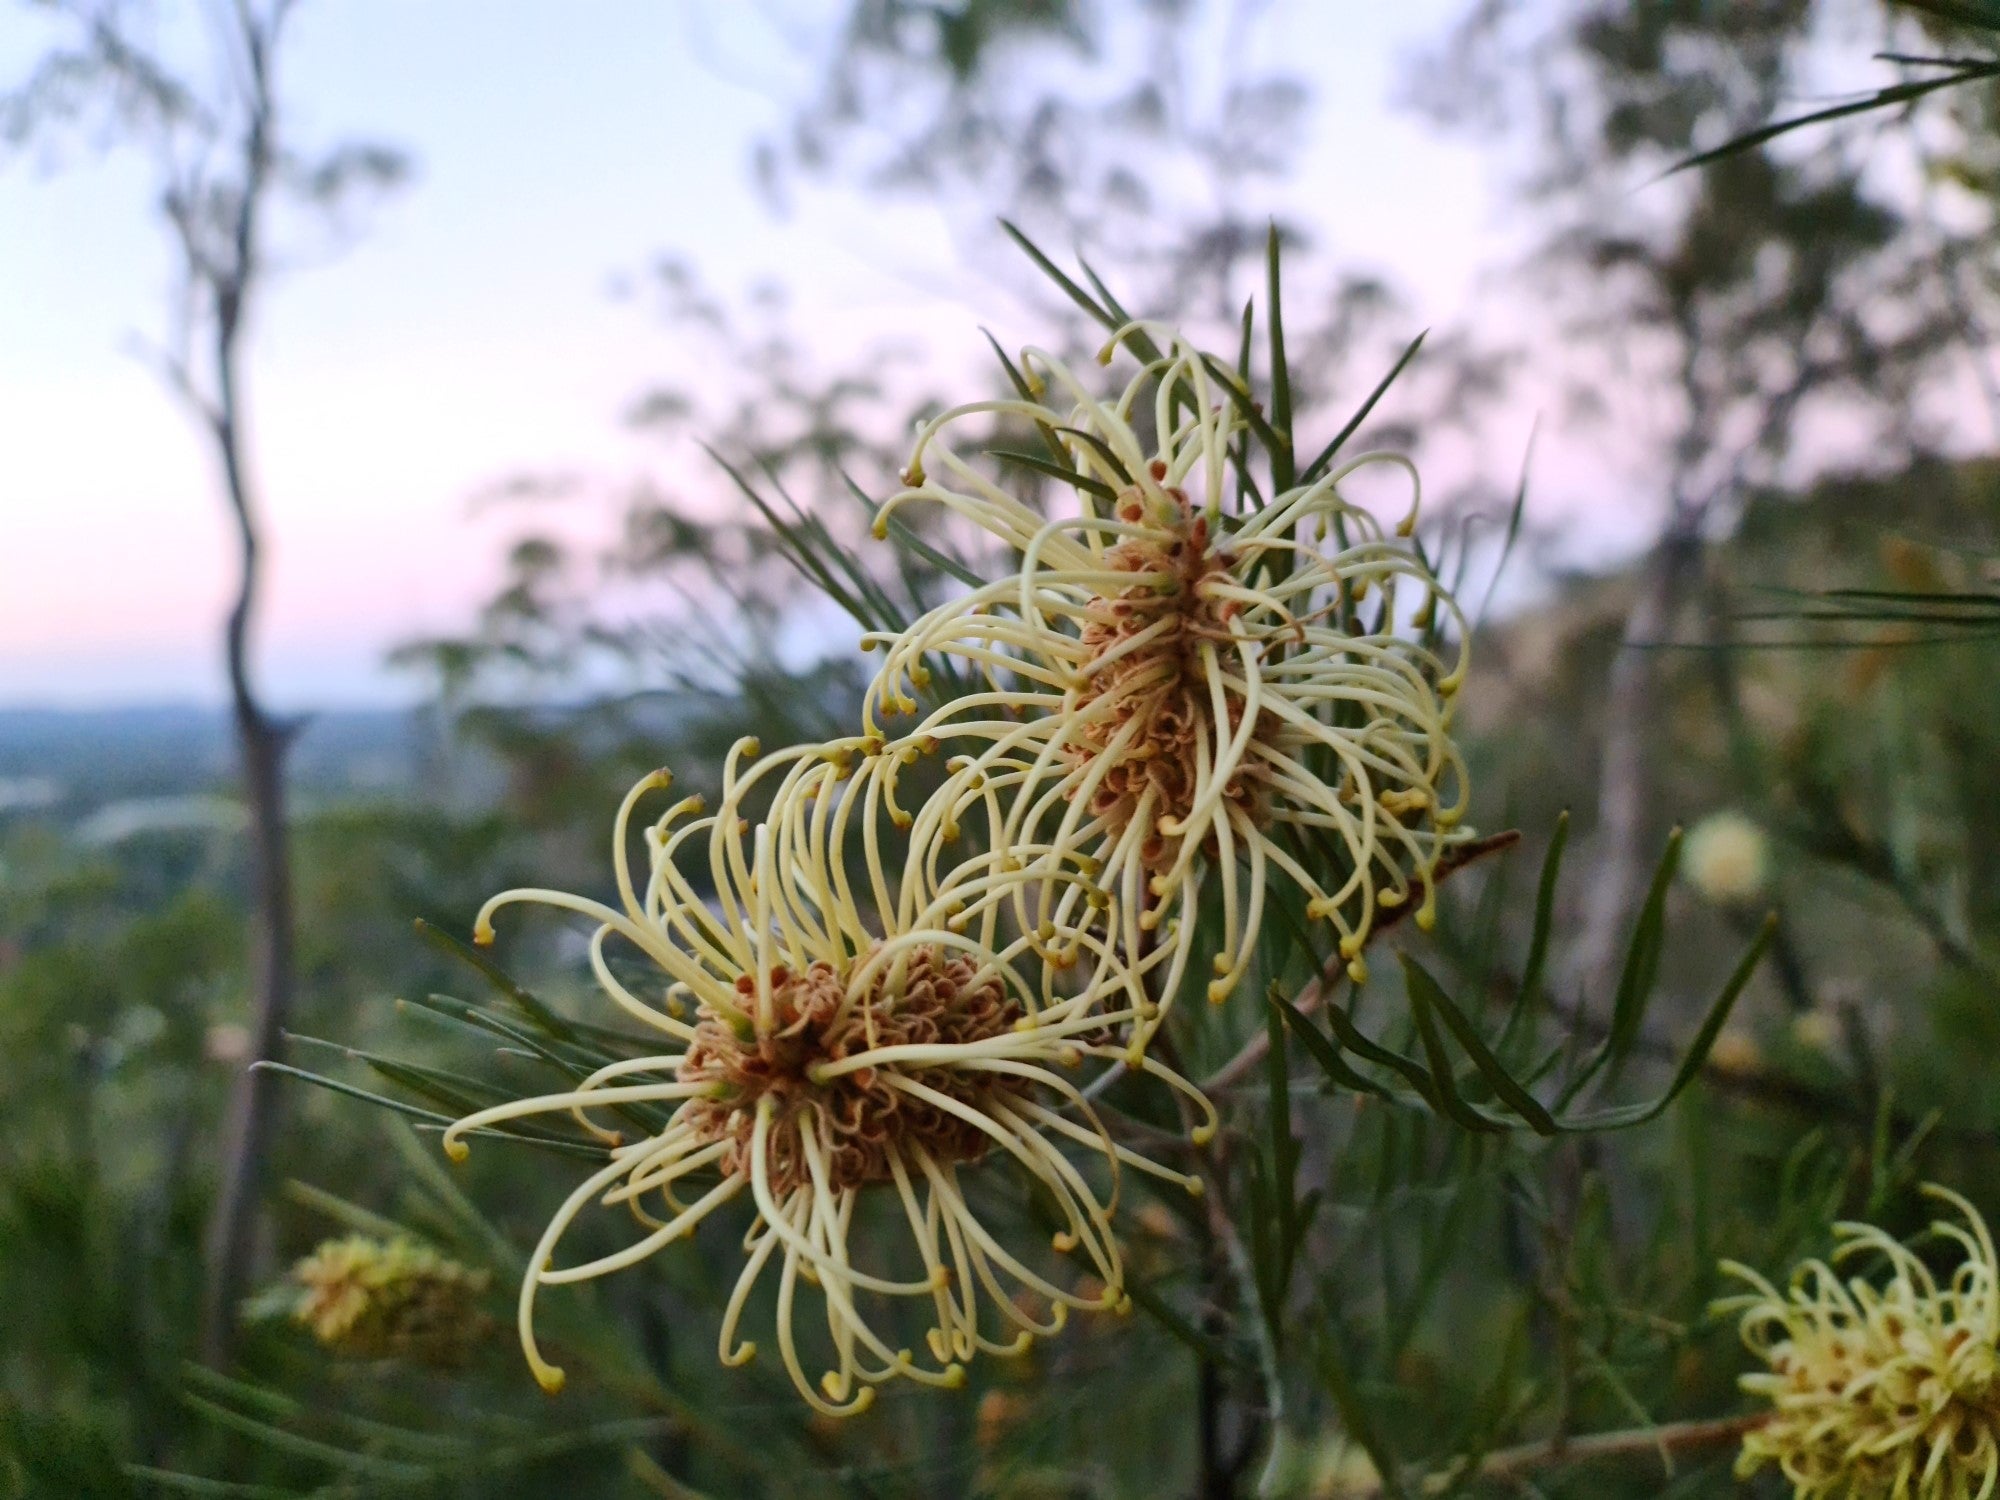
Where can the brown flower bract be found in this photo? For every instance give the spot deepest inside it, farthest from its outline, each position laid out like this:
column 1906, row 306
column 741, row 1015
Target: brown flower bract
column 926, row 999
column 1162, row 684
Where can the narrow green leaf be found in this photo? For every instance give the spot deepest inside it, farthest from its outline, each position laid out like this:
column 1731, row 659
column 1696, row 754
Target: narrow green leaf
column 1014, row 376
column 1284, row 1165
column 802, row 559
column 194, row 1484
column 1698, row 1050
column 283, row 1441
column 1642, row 955
column 1239, row 452
column 1102, row 449
column 1322, row 1050
column 1514, row 515
column 1283, row 461
column 1427, row 994
column 1140, row 341
column 1314, row 469
column 417, row 1112
column 1245, row 403
column 1056, row 274
column 1061, row 473
column 500, row 979
column 1448, row 1098
column 353, row 1215
column 1529, row 996
column 908, row 541
column 1980, row 17
column 1900, row 93
column 1362, row 1045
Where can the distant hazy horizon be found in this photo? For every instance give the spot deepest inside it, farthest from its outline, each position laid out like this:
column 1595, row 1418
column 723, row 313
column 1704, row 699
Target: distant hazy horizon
column 469, row 334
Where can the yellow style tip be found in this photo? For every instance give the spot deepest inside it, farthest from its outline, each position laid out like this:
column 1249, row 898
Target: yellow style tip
column 954, row 1377
column 482, row 935
column 550, row 1378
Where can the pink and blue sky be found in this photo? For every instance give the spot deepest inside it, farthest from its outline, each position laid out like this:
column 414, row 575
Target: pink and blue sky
column 471, row 332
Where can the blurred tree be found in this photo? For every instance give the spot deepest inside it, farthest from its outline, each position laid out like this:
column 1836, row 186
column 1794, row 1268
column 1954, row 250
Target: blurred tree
column 1777, row 313
column 1153, row 137
column 224, row 166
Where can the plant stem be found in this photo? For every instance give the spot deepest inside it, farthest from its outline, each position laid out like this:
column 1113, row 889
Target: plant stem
column 1674, row 1438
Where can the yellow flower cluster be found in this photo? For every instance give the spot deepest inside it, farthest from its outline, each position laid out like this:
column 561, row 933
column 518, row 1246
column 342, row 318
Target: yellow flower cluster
column 1880, row 1392
column 1181, row 697
column 861, row 1002
column 381, row 1299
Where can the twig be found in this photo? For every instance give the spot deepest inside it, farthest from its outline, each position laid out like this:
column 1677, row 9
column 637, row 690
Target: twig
column 1675, row 1437
column 1252, row 1056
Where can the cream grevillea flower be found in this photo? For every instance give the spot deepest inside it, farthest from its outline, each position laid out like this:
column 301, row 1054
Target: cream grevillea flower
column 1176, row 691
column 1890, row 1392
column 841, row 1046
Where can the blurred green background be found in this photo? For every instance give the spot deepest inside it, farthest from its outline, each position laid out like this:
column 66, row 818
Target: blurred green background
column 1758, row 382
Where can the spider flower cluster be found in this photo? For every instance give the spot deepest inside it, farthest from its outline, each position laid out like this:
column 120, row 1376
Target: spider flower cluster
column 1181, row 694
column 862, row 1002
column 1880, row 1392
column 840, row 1046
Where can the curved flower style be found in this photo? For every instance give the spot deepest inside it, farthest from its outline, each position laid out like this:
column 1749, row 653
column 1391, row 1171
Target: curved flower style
column 1173, row 690
column 824, row 1056
column 1891, row 1392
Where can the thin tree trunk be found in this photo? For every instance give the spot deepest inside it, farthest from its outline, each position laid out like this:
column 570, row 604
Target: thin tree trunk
column 261, row 743
column 246, row 1141
column 1625, row 789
